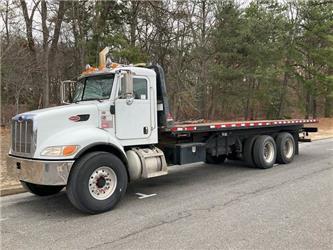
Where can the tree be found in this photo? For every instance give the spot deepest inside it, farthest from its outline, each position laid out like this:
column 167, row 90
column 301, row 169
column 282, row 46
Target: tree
column 315, row 55
column 48, row 50
column 222, row 59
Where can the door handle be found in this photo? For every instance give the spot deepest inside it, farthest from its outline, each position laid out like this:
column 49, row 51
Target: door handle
column 145, row 130
column 112, row 109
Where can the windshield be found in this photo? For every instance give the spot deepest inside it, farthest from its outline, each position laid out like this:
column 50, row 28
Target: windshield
column 94, row 88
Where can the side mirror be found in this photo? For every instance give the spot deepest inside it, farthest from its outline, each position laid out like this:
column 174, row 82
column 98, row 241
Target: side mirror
column 128, row 82
column 127, row 87
column 66, row 91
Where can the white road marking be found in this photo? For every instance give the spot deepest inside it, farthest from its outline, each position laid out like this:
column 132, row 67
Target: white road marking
column 330, row 149
column 3, row 219
column 143, row 196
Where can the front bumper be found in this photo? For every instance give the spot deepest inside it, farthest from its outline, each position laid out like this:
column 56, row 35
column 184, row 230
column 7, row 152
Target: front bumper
column 40, row 172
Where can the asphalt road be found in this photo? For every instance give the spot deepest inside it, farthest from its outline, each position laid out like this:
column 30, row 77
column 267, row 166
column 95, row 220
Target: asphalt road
column 199, row 206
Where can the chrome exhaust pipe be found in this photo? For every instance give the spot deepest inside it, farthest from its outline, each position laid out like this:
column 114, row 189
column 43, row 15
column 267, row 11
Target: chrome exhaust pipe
column 102, row 58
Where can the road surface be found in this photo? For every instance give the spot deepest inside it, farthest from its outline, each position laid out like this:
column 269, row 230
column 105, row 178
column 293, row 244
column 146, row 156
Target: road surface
column 199, row 206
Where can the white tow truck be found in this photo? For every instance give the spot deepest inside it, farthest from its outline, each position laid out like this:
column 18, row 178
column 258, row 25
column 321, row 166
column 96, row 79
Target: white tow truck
column 118, row 128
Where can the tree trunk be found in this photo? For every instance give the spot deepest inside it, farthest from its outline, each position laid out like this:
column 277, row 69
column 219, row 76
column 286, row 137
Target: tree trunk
column 78, row 34
column 5, row 20
column 134, row 21
column 283, row 93
column 45, row 56
column 36, row 75
column 28, row 25
column 308, row 105
column 203, row 69
column 328, row 106
column 314, row 108
column 52, row 52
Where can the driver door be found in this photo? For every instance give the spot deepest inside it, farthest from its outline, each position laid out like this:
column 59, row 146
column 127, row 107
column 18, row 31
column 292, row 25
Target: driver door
column 133, row 117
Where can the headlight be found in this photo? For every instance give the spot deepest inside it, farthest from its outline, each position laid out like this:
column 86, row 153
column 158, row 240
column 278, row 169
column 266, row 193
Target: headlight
column 60, row 150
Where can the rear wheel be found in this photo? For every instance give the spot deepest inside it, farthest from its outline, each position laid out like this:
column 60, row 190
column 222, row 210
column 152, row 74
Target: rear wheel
column 264, row 152
column 248, row 150
column 97, row 182
column 285, row 144
column 41, row 190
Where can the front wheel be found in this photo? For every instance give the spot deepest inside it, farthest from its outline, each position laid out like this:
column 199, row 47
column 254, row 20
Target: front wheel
column 97, row 182
column 41, row 190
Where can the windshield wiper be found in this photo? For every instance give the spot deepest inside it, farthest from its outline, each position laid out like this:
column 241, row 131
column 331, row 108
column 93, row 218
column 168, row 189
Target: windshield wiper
column 94, row 99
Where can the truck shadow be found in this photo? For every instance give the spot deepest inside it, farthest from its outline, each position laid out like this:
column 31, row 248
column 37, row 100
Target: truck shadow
column 58, row 206
column 199, row 172
column 52, row 206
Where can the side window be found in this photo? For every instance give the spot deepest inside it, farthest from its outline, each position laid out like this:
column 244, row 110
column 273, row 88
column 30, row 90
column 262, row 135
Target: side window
column 140, row 88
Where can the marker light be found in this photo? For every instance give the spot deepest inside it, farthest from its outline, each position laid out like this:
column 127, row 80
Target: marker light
column 69, row 150
column 60, row 150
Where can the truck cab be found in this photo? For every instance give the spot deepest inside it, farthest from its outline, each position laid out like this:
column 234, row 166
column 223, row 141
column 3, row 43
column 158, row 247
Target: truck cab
column 100, row 109
column 113, row 112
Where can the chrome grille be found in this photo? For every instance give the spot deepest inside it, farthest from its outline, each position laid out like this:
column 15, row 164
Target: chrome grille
column 22, row 137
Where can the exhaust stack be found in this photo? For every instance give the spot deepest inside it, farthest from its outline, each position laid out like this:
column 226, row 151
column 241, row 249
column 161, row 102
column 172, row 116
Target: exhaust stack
column 102, row 58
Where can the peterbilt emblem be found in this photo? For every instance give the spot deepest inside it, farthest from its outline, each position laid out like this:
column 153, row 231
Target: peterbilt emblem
column 79, row 118
column 74, row 118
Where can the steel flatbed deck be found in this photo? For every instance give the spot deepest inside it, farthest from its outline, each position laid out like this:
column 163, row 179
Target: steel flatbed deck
column 225, row 126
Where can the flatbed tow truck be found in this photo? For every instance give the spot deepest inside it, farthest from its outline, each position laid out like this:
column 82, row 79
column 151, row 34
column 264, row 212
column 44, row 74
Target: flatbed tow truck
column 118, row 129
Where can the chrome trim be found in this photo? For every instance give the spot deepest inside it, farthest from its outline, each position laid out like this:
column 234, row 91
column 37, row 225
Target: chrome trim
column 108, row 187
column 42, row 172
column 23, row 137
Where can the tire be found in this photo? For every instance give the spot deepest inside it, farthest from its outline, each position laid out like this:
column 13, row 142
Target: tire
column 215, row 159
column 41, row 190
column 285, row 144
column 97, row 182
column 248, row 150
column 264, row 152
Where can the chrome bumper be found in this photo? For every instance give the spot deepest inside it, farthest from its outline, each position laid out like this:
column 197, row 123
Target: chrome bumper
column 42, row 172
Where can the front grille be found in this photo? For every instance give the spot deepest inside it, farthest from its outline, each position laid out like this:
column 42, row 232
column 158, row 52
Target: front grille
column 22, row 137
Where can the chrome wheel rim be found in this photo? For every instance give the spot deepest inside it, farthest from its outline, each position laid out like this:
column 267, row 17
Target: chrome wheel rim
column 269, row 152
column 288, row 148
column 102, row 183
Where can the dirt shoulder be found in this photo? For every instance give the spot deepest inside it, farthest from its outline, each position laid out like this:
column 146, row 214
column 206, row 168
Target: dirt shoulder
column 8, row 180
column 9, row 183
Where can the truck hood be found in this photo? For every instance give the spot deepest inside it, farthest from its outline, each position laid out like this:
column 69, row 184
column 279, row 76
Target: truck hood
column 63, row 108
column 51, row 121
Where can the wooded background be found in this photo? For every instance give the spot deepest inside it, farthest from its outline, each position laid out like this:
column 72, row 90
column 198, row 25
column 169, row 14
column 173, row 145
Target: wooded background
column 223, row 59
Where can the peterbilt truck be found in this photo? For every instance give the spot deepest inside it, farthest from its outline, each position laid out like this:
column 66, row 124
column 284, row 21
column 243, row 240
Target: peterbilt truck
column 118, row 129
